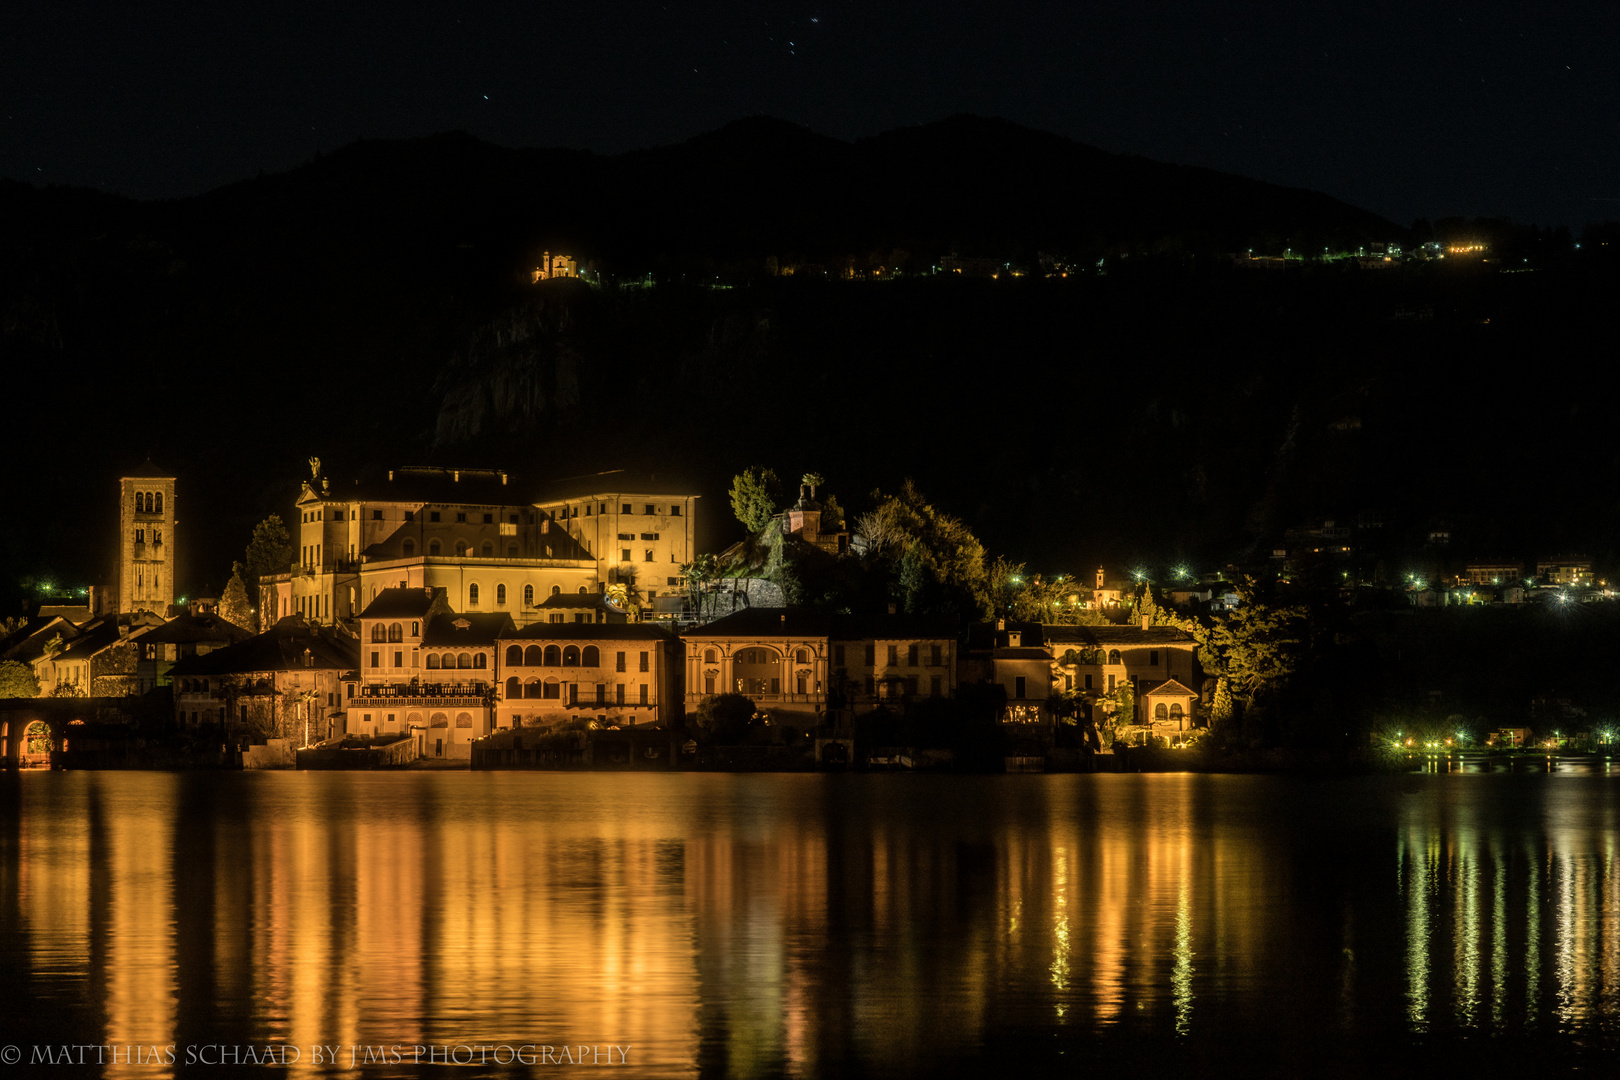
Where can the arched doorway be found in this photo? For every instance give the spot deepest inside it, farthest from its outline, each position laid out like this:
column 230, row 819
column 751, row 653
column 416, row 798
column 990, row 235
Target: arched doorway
column 35, row 752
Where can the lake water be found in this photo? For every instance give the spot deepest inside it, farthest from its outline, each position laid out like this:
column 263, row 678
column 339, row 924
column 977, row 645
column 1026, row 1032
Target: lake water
column 815, row 925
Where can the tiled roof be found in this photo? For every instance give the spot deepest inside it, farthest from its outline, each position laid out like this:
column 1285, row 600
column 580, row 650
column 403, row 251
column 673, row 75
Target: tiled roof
column 614, row 482
column 281, row 648
column 587, row 632
column 421, row 485
column 593, row 601
column 804, row 623
column 449, row 630
column 402, row 603
column 1115, row 636
column 1171, row 688
column 187, row 628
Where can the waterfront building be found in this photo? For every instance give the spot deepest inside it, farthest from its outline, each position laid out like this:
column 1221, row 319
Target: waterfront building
column 797, row 665
column 615, row 674
column 161, row 647
column 426, row 671
column 286, row 683
column 639, row 529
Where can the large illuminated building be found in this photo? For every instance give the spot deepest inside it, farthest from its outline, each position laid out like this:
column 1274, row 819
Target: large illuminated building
column 470, row 533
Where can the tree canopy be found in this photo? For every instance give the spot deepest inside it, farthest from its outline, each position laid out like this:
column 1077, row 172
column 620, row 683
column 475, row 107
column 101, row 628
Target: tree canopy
column 234, row 606
column 17, row 680
column 753, row 497
column 270, row 550
column 940, row 565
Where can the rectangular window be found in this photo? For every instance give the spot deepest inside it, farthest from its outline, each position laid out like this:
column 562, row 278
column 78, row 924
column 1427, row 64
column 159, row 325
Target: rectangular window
column 870, row 654
column 1110, row 683
column 1018, row 687
column 627, row 536
column 626, row 509
column 366, row 717
column 619, row 690
column 934, row 657
column 602, row 508
column 644, row 692
column 708, row 685
column 644, row 664
column 433, row 515
column 649, row 536
column 618, row 664
column 1088, row 682
column 1068, row 682
column 933, row 686
column 573, row 693
column 587, row 509
column 649, row 508
column 1153, row 657
column 911, row 655
column 489, row 519
column 376, row 659
column 649, row 557
column 672, row 581
column 550, row 689
column 675, row 511
column 376, row 515
column 838, row 656
column 894, row 656
column 410, row 515
column 461, row 516
column 399, row 659
column 513, row 519
column 559, row 618
column 624, row 555
column 776, row 686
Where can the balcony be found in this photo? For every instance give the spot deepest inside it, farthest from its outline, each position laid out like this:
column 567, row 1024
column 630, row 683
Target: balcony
column 424, row 694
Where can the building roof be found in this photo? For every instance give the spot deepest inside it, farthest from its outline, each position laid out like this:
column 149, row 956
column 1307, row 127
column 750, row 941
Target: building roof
column 587, row 632
column 1115, row 636
column 396, row 602
column 1170, row 688
column 421, row 485
column 805, row 623
column 281, row 648
column 187, row 628
column 28, row 643
column 449, row 630
column 593, row 601
column 613, row 482
column 100, row 634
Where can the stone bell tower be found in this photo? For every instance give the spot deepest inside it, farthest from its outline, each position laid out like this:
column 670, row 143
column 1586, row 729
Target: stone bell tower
column 146, row 556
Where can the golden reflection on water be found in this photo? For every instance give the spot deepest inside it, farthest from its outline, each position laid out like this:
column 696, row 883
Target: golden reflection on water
column 796, row 925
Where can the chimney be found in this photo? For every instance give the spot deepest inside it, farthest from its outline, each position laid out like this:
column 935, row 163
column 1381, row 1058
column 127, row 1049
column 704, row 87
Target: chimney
column 1147, row 622
column 1001, row 624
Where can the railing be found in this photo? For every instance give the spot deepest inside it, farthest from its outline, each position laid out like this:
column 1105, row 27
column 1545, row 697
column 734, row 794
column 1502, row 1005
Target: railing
column 423, row 690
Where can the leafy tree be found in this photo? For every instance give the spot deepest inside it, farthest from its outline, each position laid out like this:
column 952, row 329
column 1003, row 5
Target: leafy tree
column 1125, row 704
column 753, row 497
column 234, row 606
column 17, row 680
column 940, row 565
column 626, row 597
column 723, row 719
column 270, row 551
column 1253, row 648
column 812, row 480
column 1147, row 607
column 698, row 573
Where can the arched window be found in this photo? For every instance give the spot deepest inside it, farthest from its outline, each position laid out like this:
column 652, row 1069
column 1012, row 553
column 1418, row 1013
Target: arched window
column 433, row 547
column 1113, row 656
column 472, row 595
column 461, row 548
column 1161, row 712
column 570, row 656
column 433, row 661
column 514, row 689
column 551, row 688
column 448, row 660
column 464, row 719
column 553, row 656
column 408, row 547
column 531, row 655
column 439, row 720
column 531, row 689
column 464, row 660
column 528, row 596
column 159, row 509
column 480, row 660
column 396, row 632
column 556, row 590
column 709, row 656
column 511, row 551
column 590, row 656
column 1175, row 712
column 500, row 595
column 379, row 632
column 514, row 655
column 583, row 591
column 487, row 550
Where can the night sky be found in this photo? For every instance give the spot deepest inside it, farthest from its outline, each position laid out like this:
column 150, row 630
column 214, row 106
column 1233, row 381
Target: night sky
column 1498, row 109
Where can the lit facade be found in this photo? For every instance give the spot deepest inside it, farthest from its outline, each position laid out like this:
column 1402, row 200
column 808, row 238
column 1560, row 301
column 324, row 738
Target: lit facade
column 620, row 675
column 639, row 530
column 146, row 552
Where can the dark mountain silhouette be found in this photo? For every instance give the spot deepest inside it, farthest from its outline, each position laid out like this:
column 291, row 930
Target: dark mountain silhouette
column 372, row 307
